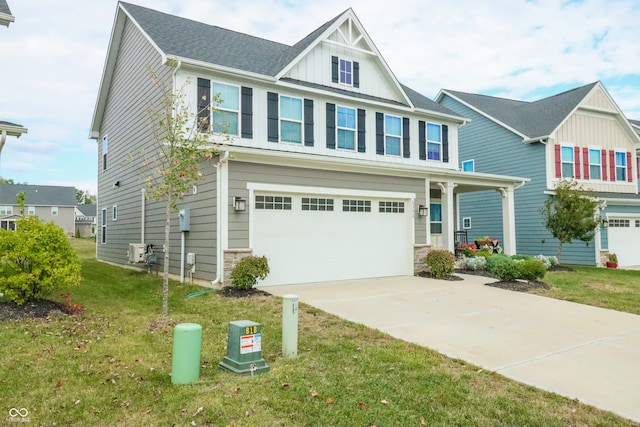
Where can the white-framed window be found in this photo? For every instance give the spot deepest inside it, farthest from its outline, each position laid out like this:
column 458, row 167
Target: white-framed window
column 390, row 207
column 469, row 166
column 278, row 203
column 8, row 224
column 290, row 119
column 105, row 150
column 356, row 205
column 595, row 163
column 114, row 215
column 345, row 72
column 31, row 210
column 392, row 135
column 621, row 166
column 54, row 211
column 103, row 225
column 566, row 158
column 317, row 204
column 6, row 210
column 346, row 128
column 466, row 223
column 435, row 217
column 434, row 141
column 226, row 114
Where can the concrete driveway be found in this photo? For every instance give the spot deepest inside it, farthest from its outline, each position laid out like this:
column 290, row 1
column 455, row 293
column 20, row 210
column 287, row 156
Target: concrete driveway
column 575, row 350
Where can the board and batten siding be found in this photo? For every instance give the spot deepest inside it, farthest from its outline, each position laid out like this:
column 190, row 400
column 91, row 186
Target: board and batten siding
column 126, row 125
column 241, row 173
column 497, row 150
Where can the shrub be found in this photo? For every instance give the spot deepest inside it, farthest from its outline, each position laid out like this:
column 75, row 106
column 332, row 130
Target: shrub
column 521, row 257
column 531, row 269
column 440, row 262
column 548, row 261
column 506, row 269
column 493, row 259
column 484, row 253
column 247, row 272
column 35, row 259
column 473, row 263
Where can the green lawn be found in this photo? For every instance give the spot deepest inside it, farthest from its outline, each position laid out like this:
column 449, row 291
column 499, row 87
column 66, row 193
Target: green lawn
column 109, row 366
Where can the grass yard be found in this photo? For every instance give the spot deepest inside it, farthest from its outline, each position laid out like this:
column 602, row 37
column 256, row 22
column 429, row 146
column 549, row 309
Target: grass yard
column 109, row 366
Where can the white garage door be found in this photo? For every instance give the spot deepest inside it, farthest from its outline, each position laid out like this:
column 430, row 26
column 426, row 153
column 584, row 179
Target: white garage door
column 624, row 240
column 312, row 238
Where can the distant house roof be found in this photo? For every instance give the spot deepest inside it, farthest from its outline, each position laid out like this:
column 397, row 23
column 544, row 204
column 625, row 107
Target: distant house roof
column 88, row 210
column 12, row 129
column 635, row 124
column 5, row 13
column 532, row 119
column 38, row 195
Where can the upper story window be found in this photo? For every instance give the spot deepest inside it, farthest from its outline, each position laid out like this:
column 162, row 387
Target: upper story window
column 621, row 166
column 290, row 119
column 227, row 112
column 392, row 135
column 468, row 166
column 31, row 210
column 105, row 150
column 54, row 210
column 6, row 210
column 346, row 128
column 566, row 158
column 434, row 141
column 114, row 214
column 346, row 72
column 595, row 163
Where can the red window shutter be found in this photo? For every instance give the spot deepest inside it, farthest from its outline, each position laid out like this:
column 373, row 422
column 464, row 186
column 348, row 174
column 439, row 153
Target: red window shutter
column 612, row 165
column 558, row 162
column 604, row 165
column 629, row 167
column 585, row 161
column 576, row 160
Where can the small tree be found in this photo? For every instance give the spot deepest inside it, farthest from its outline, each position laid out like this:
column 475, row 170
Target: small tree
column 172, row 167
column 571, row 214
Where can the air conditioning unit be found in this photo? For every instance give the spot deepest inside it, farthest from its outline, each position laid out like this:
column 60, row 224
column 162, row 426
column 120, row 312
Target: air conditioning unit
column 137, row 252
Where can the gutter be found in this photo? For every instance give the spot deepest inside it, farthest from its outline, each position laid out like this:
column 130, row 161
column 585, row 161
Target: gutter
column 541, row 139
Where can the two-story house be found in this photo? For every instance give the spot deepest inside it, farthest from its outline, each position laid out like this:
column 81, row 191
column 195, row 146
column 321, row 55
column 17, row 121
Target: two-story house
column 47, row 202
column 335, row 169
column 577, row 135
column 86, row 220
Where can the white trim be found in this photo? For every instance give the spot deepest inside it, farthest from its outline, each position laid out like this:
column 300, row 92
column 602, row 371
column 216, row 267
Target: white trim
column 219, row 109
column 300, row 122
column 114, row 213
column 622, row 215
column 464, row 227
column 473, row 165
column 346, row 192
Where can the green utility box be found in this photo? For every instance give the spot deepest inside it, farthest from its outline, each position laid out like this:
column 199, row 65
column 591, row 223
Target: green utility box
column 187, row 343
column 244, row 349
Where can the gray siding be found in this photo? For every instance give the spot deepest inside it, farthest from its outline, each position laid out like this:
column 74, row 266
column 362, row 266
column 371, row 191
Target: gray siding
column 499, row 151
column 126, row 123
column 241, row 173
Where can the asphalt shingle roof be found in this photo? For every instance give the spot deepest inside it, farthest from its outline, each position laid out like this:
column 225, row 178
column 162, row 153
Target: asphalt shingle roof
column 39, row 195
column 4, row 7
column 2, row 122
column 88, row 210
column 532, row 119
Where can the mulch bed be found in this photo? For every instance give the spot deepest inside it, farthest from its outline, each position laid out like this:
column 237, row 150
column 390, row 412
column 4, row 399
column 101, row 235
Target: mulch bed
column 32, row 310
column 428, row 275
column 233, row 292
column 517, row 285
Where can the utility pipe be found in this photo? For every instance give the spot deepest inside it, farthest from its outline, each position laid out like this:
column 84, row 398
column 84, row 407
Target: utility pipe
column 142, row 222
column 219, row 250
column 182, row 257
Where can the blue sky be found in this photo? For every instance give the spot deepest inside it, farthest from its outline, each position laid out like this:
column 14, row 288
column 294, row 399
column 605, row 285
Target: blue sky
column 53, row 56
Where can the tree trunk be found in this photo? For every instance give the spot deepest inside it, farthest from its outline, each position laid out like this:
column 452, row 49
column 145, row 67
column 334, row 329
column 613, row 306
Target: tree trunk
column 559, row 252
column 165, row 275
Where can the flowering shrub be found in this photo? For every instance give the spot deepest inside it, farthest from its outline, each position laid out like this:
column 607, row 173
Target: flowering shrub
column 473, row 263
column 468, row 249
column 548, row 261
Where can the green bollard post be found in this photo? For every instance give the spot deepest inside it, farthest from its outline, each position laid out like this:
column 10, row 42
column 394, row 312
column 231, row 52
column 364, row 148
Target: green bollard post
column 187, row 343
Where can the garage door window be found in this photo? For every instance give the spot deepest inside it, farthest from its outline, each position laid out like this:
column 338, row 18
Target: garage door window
column 273, row 202
column 356, row 206
column 316, row 204
column 637, row 223
column 391, row 207
column 620, row 223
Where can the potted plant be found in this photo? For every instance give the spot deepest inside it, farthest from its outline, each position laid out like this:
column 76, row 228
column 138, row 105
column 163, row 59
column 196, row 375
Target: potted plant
column 613, row 261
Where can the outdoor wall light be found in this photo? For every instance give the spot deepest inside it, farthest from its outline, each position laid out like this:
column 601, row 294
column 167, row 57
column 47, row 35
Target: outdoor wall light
column 605, row 222
column 239, row 204
column 422, row 210
column 116, row 184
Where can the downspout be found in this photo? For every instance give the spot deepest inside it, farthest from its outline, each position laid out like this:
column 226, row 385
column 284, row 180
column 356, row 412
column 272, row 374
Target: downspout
column 143, row 215
column 519, row 185
column 219, row 249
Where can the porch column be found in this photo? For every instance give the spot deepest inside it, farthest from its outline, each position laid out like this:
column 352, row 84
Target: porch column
column 508, row 221
column 427, row 203
column 448, row 217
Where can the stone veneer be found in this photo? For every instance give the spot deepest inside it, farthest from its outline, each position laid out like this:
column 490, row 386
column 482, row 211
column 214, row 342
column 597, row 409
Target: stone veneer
column 419, row 254
column 231, row 258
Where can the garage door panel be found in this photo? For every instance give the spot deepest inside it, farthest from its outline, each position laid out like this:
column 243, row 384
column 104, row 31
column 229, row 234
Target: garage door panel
column 624, row 240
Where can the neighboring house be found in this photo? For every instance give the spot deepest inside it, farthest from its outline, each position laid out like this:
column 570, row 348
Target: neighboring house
column 48, row 203
column 5, row 14
column 86, row 220
column 336, row 170
column 578, row 135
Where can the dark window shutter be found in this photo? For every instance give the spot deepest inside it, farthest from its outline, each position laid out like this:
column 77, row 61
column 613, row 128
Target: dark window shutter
column 331, row 126
column 204, row 95
column 576, row 161
column 445, row 143
column 334, row 69
column 585, row 162
column 356, row 74
column 247, row 112
column 406, row 141
column 629, row 167
column 558, row 162
column 612, row 165
column 272, row 117
column 422, row 140
column 604, row 165
column 638, row 167
column 362, row 142
column 308, row 122
column 380, row 133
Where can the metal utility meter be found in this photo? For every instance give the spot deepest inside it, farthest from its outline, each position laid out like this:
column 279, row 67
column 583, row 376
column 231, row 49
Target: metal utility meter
column 244, row 349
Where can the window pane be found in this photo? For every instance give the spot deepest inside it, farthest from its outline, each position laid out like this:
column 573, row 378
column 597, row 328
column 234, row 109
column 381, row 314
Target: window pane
column 225, row 121
column 433, row 132
column 567, row 154
column 435, row 210
column 594, row 172
column 346, row 139
column 347, row 117
column 621, row 174
column 436, row 228
column 393, row 125
column 393, row 146
column 290, row 108
column 230, row 98
column 433, row 151
column 594, row 157
column 467, row 166
column 567, row 170
column 621, row 159
column 290, row 132
column 345, row 71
